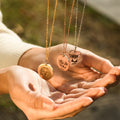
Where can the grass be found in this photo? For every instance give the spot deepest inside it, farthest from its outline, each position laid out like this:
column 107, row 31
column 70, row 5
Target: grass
column 28, row 19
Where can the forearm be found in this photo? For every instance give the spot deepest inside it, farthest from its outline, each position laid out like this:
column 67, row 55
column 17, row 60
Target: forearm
column 4, row 81
column 11, row 47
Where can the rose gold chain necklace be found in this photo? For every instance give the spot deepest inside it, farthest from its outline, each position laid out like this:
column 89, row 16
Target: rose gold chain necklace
column 63, row 60
column 81, row 22
column 74, row 57
column 45, row 70
column 70, row 20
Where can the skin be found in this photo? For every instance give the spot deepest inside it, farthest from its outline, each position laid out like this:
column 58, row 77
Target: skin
column 66, row 93
column 91, row 70
column 86, row 79
column 38, row 99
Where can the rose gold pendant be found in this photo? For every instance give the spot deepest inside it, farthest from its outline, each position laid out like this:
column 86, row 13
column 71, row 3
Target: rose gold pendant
column 45, row 71
column 75, row 57
column 63, row 62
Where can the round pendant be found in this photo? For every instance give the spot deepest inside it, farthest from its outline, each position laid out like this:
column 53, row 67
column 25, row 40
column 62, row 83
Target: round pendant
column 45, row 71
column 63, row 62
column 75, row 57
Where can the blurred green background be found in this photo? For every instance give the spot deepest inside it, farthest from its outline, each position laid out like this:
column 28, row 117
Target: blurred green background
column 99, row 34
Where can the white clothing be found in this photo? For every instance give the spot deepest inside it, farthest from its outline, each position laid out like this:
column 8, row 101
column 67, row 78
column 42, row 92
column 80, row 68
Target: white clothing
column 11, row 46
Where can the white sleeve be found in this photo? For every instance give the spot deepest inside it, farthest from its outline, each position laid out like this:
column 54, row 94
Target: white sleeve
column 11, row 47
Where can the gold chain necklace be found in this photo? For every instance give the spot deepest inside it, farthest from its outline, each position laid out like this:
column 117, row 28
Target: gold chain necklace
column 45, row 70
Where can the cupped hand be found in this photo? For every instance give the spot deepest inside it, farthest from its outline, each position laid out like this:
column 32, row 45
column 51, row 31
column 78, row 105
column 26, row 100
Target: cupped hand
column 92, row 71
column 39, row 100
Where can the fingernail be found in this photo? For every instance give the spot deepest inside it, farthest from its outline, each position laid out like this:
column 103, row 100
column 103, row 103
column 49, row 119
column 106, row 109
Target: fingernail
column 103, row 89
column 90, row 99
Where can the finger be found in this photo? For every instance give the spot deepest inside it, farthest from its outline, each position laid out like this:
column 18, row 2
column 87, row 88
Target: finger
column 77, row 90
column 71, row 96
column 102, row 82
column 72, row 106
column 95, row 93
column 115, row 71
column 109, row 78
column 66, row 88
column 70, row 114
column 92, row 92
column 83, row 73
column 57, row 97
column 101, row 64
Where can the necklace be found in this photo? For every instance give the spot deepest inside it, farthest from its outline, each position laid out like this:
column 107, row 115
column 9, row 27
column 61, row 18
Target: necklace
column 63, row 61
column 76, row 56
column 45, row 70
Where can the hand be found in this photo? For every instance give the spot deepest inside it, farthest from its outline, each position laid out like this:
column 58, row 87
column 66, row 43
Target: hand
column 93, row 71
column 39, row 100
column 79, row 80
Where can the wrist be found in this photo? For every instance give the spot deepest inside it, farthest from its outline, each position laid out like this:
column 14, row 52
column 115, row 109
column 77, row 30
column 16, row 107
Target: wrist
column 32, row 58
column 24, row 56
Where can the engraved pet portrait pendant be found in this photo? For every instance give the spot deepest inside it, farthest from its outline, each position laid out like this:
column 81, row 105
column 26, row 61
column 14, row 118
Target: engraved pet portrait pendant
column 63, row 62
column 45, row 71
column 75, row 57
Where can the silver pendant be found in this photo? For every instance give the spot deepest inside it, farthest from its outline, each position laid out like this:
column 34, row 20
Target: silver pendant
column 75, row 57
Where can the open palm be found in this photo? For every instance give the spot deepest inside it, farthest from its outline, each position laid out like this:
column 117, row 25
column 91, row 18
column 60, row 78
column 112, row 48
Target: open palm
column 39, row 100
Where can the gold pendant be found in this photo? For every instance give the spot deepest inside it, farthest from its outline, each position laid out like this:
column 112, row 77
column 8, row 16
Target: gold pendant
column 45, row 71
column 75, row 57
column 63, row 62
